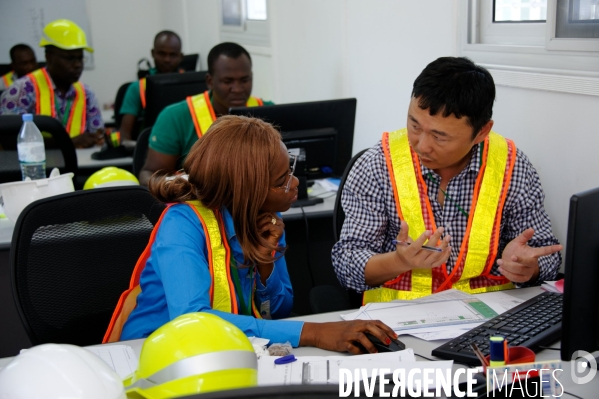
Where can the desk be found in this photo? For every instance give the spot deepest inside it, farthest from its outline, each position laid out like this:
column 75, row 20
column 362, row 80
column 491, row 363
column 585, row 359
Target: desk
column 85, row 161
column 424, row 348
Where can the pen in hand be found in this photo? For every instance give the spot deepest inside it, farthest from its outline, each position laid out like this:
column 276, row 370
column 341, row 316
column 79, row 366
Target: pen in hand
column 405, row 244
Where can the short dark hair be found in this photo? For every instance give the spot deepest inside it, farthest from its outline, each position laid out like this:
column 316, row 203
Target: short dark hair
column 455, row 85
column 166, row 33
column 227, row 49
column 18, row 47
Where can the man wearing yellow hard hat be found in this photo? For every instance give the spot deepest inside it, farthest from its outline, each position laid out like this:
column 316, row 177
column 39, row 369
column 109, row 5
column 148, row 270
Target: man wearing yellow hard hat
column 55, row 90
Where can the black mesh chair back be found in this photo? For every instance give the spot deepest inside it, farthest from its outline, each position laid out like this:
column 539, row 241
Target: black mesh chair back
column 118, row 103
column 73, row 255
column 60, row 151
column 338, row 214
column 141, row 150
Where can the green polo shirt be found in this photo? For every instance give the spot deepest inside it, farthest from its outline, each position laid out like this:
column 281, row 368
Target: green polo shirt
column 132, row 101
column 174, row 132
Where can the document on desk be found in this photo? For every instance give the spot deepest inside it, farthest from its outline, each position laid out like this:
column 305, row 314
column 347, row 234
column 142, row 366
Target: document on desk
column 120, row 358
column 325, row 369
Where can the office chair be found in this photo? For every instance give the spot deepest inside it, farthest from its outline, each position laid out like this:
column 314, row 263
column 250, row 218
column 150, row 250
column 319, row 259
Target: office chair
column 338, row 214
column 329, row 298
column 60, row 151
column 141, row 150
column 72, row 256
column 118, row 103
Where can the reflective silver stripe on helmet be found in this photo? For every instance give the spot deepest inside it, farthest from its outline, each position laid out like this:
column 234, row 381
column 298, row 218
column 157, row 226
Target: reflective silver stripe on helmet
column 199, row 364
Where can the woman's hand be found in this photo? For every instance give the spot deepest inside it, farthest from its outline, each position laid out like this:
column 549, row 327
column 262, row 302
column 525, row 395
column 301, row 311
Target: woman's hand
column 342, row 336
column 271, row 228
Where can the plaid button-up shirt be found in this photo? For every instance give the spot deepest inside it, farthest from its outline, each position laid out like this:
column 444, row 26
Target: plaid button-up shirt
column 371, row 220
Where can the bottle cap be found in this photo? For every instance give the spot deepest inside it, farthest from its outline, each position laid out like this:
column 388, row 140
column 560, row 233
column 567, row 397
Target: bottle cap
column 27, row 117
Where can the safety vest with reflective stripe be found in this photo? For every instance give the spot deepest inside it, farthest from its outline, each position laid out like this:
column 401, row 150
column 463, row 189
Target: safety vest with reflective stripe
column 142, row 90
column 203, row 114
column 8, row 79
column 478, row 251
column 44, row 102
column 222, row 289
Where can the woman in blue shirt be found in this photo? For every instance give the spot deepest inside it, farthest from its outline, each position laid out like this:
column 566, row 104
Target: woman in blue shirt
column 241, row 170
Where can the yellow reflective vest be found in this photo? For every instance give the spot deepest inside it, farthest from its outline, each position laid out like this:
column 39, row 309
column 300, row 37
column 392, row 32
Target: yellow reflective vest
column 44, row 102
column 8, row 79
column 203, row 114
column 478, row 251
column 222, row 289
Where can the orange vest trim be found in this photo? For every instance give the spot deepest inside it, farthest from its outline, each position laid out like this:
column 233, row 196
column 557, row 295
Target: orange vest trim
column 441, row 280
column 142, row 92
column 8, row 79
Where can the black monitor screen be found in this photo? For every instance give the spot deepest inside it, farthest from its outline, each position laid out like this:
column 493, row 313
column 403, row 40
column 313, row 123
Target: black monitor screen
column 580, row 326
column 166, row 89
column 321, row 133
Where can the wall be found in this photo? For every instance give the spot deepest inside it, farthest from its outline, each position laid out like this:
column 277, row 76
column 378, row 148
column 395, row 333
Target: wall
column 122, row 33
column 559, row 134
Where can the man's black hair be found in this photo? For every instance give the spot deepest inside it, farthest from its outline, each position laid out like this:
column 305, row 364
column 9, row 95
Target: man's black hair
column 228, row 49
column 18, row 47
column 166, row 33
column 455, row 85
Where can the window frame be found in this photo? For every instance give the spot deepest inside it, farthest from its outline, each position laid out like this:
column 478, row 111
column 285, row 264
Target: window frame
column 529, row 66
column 250, row 32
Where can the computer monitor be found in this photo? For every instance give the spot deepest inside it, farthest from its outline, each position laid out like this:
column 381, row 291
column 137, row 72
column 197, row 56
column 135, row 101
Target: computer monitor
column 321, row 133
column 580, row 325
column 169, row 88
column 189, row 62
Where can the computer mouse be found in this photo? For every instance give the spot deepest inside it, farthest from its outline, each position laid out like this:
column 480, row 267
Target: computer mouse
column 394, row 346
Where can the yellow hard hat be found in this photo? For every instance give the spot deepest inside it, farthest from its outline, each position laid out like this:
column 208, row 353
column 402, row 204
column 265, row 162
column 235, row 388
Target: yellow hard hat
column 194, row 353
column 66, row 35
column 110, row 176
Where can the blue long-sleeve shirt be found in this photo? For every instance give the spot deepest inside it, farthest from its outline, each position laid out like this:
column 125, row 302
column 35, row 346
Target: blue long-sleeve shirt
column 176, row 280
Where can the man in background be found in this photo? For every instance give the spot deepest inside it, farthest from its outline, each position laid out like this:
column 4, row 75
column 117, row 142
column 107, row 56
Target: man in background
column 167, row 56
column 178, row 126
column 55, row 90
column 22, row 62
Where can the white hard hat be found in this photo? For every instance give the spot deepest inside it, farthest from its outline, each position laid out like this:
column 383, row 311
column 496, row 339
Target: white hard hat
column 52, row 371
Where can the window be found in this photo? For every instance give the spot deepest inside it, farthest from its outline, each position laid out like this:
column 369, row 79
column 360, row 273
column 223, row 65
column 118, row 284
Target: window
column 245, row 22
column 544, row 44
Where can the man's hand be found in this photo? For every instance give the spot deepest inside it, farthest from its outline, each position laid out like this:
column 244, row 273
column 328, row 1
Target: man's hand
column 86, row 140
column 413, row 256
column 342, row 336
column 381, row 268
column 519, row 262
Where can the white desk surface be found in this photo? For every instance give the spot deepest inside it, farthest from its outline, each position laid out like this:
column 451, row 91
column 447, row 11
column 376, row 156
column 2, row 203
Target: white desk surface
column 84, row 159
column 423, row 348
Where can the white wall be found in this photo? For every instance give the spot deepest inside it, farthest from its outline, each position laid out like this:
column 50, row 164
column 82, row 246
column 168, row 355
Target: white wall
column 123, row 33
column 559, row 134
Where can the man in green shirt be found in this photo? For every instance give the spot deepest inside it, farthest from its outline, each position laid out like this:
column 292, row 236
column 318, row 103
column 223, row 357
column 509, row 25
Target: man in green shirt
column 167, row 57
column 179, row 125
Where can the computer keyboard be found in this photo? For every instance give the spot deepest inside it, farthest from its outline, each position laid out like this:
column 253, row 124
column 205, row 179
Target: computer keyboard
column 536, row 322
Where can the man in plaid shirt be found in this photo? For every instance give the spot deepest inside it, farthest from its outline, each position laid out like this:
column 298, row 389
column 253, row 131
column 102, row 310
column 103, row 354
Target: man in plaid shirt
column 448, row 119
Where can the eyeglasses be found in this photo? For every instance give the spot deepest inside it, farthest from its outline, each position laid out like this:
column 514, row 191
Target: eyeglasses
column 287, row 186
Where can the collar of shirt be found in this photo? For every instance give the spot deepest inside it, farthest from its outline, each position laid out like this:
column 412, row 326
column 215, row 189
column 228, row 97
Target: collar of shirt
column 152, row 71
column 473, row 166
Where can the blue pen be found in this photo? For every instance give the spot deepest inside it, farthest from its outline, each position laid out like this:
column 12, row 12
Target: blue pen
column 285, row 359
column 404, row 243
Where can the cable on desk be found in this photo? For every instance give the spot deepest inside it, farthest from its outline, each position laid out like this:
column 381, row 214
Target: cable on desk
column 424, row 357
column 307, row 245
column 571, row 394
column 551, row 349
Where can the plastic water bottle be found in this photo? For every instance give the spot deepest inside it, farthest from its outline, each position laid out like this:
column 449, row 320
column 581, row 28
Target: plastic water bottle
column 32, row 154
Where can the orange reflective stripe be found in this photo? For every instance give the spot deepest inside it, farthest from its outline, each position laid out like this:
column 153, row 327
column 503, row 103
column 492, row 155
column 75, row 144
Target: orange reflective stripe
column 117, row 321
column 201, row 111
column 142, row 92
column 44, row 93
column 8, row 79
column 391, row 173
column 77, row 118
column 225, row 242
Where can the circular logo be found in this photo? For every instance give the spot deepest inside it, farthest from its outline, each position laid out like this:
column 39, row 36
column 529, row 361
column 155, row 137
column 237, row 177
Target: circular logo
column 583, row 367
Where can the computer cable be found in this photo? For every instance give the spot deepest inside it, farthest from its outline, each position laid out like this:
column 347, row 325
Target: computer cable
column 551, row 349
column 571, row 394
